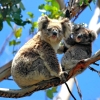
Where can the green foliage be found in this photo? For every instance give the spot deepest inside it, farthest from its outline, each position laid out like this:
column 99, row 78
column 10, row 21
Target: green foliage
column 33, row 23
column 21, row 6
column 9, row 23
column 50, row 92
column 86, row 2
column 51, row 8
column 18, row 33
column 1, row 22
column 10, row 10
column 30, row 14
column 14, row 42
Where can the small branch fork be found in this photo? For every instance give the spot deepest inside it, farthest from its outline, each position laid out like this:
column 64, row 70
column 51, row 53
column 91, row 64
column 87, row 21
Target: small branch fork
column 73, row 10
column 91, row 68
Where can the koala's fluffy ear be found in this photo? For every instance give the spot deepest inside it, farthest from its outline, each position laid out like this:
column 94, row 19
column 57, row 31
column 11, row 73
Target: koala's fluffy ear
column 75, row 27
column 42, row 22
column 67, row 27
column 92, row 35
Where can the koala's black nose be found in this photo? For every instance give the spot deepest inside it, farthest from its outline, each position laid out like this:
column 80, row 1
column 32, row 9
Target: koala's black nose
column 79, row 36
column 54, row 32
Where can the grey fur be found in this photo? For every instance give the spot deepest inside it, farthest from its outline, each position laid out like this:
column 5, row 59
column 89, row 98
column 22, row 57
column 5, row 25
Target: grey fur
column 76, row 47
column 36, row 60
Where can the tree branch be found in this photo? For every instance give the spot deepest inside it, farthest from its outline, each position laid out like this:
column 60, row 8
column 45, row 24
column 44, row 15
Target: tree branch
column 73, row 10
column 5, row 71
column 94, row 25
column 61, row 4
column 61, row 95
column 80, row 66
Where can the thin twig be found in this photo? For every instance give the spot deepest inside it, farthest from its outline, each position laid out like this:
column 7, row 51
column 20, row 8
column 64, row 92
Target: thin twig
column 5, row 42
column 91, row 68
column 78, row 89
column 96, row 64
column 7, row 39
column 61, row 4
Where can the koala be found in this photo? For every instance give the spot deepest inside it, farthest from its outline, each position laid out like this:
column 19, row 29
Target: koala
column 76, row 47
column 36, row 60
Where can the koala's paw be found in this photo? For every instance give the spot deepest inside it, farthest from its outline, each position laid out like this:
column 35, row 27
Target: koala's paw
column 63, row 76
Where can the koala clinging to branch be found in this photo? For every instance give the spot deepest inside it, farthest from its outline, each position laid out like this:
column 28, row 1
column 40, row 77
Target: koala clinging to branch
column 76, row 47
column 36, row 60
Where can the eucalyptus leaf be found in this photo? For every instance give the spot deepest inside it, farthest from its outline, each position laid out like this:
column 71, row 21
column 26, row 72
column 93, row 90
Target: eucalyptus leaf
column 49, row 93
column 54, row 89
column 1, row 16
column 16, row 16
column 48, row 0
column 48, row 7
column 80, row 2
column 55, row 4
column 34, row 24
column 30, row 14
column 14, row 8
column 18, row 33
column 8, row 22
column 1, row 25
column 41, row 6
column 13, row 42
column 21, row 5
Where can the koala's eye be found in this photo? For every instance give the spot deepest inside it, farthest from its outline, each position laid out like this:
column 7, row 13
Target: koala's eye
column 60, row 31
column 86, row 37
column 77, row 29
column 49, row 29
column 44, row 25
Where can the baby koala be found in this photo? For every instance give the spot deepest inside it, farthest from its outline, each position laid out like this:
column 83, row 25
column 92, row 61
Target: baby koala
column 36, row 60
column 76, row 47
